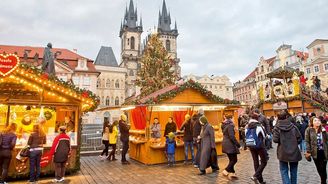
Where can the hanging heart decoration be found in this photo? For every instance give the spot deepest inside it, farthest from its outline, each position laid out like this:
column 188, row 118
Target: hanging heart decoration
column 8, row 63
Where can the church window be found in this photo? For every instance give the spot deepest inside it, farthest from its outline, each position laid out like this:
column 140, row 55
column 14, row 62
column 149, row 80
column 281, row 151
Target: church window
column 107, row 83
column 128, row 41
column 131, row 73
column 117, row 84
column 107, row 101
column 132, row 42
column 168, row 45
column 117, row 101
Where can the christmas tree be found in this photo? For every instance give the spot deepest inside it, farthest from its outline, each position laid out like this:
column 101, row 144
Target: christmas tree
column 156, row 67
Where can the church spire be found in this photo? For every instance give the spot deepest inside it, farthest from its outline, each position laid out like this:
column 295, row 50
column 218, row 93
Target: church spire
column 130, row 20
column 164, row 20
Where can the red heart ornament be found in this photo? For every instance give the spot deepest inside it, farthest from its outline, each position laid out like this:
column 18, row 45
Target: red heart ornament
column 8, row 63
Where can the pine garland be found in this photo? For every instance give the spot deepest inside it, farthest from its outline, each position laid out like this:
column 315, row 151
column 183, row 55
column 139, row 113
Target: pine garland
column 188, row 85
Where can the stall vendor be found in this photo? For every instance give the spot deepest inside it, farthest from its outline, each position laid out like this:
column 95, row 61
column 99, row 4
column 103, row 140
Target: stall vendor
column 156, row 129
column 170, row 127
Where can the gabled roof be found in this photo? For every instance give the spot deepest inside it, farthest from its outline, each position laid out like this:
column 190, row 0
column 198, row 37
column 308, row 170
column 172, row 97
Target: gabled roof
column 302, row 55
column 28, row 54
column 316, row 41
column 270, row 60
column 106, row 57
column 251, row 75
column 173, row 90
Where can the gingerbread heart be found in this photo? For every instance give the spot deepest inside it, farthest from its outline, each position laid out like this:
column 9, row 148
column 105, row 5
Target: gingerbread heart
column 8, row 63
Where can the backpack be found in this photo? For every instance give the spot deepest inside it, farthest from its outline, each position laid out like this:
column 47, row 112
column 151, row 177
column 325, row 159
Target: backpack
column 252, row 140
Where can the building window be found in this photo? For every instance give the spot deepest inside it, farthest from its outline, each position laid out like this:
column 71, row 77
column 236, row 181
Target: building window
column 131, row 73
column 86, row 81
column 76, row 80
column 128, row 41
column 117, row 101
column 107, row 101
column 227, row 89
column 98, row 83
column 132, row 42
column 316, row 69
column 326, row 66
column 308, row 70
column 168, row 45
column 117, row 84
column 262, row 69
column 286, row 63
column 107, row 83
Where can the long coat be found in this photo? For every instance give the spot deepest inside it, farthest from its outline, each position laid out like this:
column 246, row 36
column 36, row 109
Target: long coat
column 230, row 144
column 207, row 143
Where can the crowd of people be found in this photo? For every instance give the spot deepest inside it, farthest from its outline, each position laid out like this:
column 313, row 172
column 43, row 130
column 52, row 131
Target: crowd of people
column 303, row 133
column 59, row 151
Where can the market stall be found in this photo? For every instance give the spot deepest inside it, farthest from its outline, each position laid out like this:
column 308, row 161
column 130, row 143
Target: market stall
column 284, row 91
column 174, row 101
column 28, row 94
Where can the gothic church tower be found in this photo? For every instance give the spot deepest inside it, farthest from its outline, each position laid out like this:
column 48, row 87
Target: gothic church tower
column 169, row 37
column 130, row 34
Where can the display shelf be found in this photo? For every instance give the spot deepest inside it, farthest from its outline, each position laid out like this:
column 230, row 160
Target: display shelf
column 141, row 132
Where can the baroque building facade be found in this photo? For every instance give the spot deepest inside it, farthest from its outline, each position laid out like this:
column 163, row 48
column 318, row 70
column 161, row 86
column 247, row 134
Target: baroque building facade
column 218, row 85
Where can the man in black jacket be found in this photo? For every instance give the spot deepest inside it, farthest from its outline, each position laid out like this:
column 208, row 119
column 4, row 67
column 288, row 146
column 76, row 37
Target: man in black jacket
column 188, row 138
column 124, row 130
column 197, row 127
column 287, row 135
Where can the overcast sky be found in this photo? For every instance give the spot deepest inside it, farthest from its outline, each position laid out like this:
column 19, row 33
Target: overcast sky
column 219, row 37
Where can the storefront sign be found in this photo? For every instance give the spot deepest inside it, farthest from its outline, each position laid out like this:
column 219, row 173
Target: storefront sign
column 8, row 63
column 279, row 105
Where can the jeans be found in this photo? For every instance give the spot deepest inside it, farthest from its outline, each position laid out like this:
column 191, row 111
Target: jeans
column 112, row 153
column 262, row 153
column 105, row 151
column 321, row 166
column 170, row 158
column 60, row 170
column 5, row 157
column 232, row 163
column 191, row 146
column 303, row 146
column 35, row 165
column 124, row 149
column 284, row 172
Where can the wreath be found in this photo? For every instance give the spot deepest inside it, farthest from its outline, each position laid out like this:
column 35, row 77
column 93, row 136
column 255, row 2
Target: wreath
column 26, row 120
column 47, row 115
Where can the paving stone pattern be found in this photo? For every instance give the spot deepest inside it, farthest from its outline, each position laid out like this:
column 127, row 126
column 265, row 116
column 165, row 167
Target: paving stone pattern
column 95, row 171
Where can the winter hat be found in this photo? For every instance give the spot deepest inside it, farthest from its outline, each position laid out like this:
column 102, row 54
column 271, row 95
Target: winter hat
column 171, row 135
column 201, row 111
column 187, row 117
column 203, row 120
column 123, row 117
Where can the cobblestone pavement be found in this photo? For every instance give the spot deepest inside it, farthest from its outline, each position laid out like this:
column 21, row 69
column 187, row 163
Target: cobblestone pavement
column 95, row 171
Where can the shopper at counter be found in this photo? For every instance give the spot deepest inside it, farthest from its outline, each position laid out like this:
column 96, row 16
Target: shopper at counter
column 156, row 129
column 170, row 127
column 7, row 144
column 35, row 142
column 60, row 148
column 124, row 130
column 188, row 138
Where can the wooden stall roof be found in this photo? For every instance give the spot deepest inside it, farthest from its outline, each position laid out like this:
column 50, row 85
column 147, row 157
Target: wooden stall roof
column 31, row 86
column 189, row 92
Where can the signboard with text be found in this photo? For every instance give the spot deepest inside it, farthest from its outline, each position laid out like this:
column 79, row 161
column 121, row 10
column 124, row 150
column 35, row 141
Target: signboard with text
column 8, row 63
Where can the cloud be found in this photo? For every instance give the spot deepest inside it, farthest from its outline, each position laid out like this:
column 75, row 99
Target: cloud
column 215, row 36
